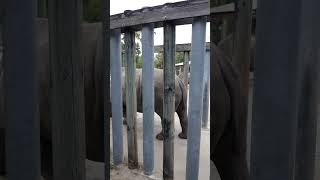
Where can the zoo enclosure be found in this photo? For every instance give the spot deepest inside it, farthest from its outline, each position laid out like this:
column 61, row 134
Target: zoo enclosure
column 146, row 19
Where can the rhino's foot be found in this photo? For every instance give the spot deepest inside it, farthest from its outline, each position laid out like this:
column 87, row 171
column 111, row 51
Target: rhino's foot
column 182, row 135
column 160, row 136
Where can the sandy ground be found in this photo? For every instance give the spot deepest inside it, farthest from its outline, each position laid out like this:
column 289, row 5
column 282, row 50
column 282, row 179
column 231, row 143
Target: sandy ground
column 180, row 154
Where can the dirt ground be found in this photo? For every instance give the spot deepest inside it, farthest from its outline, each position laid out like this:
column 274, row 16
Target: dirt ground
column 180, row 149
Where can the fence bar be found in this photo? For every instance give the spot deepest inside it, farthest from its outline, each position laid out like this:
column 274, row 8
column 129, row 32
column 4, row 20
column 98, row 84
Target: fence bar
column 105, row 17
column 242, row 40
column 67, row 91
column 186, row 57
column 148, row 97
column 286, row 90
column 21, row 82
column 196, row 98
column 116, row 94
column 131, row 98
column 206, row 82
column 168, row 100
column 307, row 163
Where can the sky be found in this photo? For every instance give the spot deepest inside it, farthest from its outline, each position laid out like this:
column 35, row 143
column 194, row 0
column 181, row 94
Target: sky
column 183, row 32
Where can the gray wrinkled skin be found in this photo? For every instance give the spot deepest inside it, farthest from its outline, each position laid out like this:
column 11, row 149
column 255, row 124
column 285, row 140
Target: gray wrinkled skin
column 180, row 98
column 226, row 46
column 228, row 123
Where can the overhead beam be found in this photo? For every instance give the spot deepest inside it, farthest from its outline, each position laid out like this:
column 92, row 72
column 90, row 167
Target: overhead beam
column 179, row 47
column 178, row 13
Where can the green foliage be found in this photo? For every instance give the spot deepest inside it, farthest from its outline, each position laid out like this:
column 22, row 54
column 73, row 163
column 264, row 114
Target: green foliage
column 92, row 12
column 179, row 57
column 138, row 49
column 139, row 61
column 158, row 63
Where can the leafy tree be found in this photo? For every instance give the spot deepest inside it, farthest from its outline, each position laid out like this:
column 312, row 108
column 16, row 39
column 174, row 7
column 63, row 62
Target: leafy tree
column 159, row 59
column 138, row 49
column 91, row 10
column 158, row 63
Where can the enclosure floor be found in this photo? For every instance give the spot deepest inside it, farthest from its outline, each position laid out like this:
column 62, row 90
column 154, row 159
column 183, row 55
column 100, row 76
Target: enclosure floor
column 180, row 150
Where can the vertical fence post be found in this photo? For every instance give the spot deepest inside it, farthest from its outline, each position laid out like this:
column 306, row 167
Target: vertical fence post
column 67, row 92
column 168, row 100
column 21, row 82
column 131, row 99
column 206, row 74
column 116, row 94
column 195, row 102
column 286, row 91
column 105, row 14
column 242, row 40
column 186, row 57
column 148, row 97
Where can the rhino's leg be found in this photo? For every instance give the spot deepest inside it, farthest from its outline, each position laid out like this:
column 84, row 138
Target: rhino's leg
column 159, row 136
column 124, row 116
column 223, row 157
column 182, row 113
column 46, row 160
column 2, row 153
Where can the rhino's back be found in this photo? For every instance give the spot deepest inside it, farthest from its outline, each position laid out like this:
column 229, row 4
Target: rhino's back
column 158, row 90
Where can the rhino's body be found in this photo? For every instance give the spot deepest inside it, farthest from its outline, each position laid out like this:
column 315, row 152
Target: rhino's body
column 180, row 97
column 226, row 46
column 228, row 127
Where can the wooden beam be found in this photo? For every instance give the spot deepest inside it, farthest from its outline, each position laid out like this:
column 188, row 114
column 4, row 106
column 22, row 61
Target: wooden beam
column 206, row 83
column 116, row 94
column 168, row 101
column 131, row 99
column 179, row 47
column 195, row 97
column 105, row 11
column 21, row 91
column 186, row 58
column 178, row 13
column 148, row 97
column 286, row 91
column 67, row 90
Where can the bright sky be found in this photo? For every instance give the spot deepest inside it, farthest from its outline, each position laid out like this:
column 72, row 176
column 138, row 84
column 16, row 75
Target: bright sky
column 183, row 32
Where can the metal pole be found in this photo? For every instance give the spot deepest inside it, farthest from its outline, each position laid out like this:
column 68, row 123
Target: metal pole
column 168, row 100
column 206, row 74
column 148, row 97
column 21, row 84
column 131, row 99
column 196, row 97
column 67, row 90
column 286, row 91
column 116, row 94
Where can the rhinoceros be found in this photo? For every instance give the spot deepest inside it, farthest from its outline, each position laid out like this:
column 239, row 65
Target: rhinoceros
column 226, row 46
column 180, row 98
column 228, row 127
